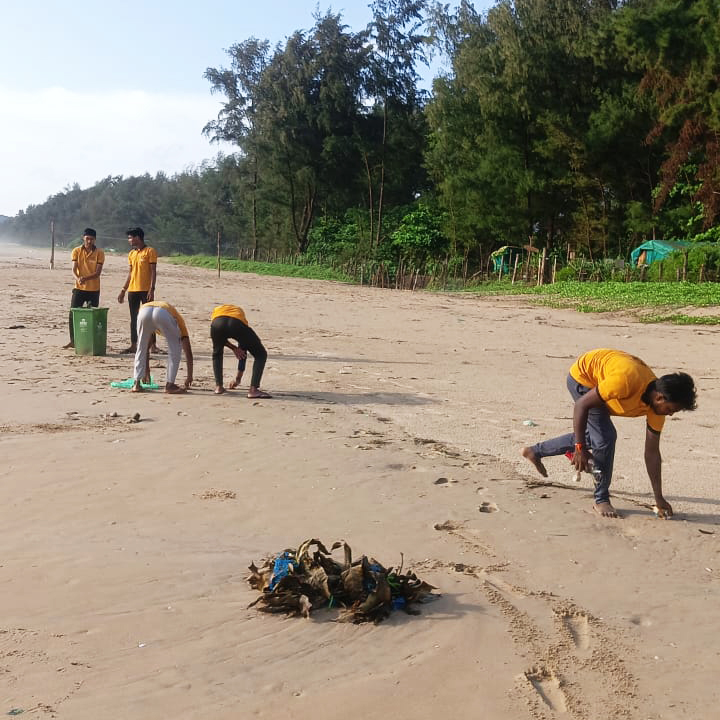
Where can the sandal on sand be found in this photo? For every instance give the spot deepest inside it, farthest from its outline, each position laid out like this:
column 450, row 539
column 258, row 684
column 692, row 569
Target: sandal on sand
column 262, row 395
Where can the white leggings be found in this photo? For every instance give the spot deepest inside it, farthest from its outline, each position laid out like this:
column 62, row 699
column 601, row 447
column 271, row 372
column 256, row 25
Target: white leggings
column 151, row 320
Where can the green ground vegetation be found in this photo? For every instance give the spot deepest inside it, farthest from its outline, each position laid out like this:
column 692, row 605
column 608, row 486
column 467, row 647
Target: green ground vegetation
column 649, row 302
column 309, row 271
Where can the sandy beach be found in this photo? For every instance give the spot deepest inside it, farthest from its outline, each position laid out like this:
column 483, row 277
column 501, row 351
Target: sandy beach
column 395, row 425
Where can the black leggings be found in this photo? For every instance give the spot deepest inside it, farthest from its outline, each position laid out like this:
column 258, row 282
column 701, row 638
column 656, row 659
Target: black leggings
column 135, row 299
column 79, row 298
column 225, row 328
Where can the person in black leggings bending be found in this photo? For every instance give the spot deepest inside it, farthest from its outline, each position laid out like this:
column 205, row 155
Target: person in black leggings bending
column 229, row 322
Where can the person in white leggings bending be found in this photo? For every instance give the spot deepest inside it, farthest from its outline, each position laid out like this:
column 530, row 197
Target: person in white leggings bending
column 161, row 317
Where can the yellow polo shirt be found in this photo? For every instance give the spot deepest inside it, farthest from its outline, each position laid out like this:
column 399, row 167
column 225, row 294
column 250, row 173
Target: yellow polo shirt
column 178, row 317
column 87, row 263
column 140, row 273
column 621, row 380
column 232, row 311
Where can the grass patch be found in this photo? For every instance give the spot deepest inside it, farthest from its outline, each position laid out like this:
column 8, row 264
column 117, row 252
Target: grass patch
column 310, row 272
column 682, row 319
column 598, row 297
column 650, row 302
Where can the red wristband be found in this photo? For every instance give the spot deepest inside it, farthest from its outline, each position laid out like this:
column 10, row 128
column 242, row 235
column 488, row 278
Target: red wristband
column 579, row 447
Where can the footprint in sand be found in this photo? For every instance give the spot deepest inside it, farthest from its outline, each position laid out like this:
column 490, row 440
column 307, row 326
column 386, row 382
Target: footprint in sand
column 488, row 507
column 215, row 494
column 577, row 624
column 547, row 686
column 448, row 525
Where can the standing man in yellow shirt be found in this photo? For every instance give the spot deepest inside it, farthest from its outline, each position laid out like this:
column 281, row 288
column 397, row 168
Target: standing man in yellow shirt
column 608, row 382
column 161, row 317
column 87, row 264
column 140, row 282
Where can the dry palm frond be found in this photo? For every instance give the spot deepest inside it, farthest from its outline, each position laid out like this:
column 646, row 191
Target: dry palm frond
column 298, row 581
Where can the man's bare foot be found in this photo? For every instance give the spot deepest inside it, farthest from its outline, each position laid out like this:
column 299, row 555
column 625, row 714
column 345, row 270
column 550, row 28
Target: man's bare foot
column 69, row 345
column 257, row 393
column 155, row 350
column 129, row 350
column 605, row 509
column 219, row 390
column 527, row 453
column 173, row 389
column 137, row 387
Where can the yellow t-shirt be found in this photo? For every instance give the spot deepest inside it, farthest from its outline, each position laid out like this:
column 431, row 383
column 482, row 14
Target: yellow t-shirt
column 87, row 263
column 232, row 311
column 178, row 317
column 140, row 273
column 621, row 380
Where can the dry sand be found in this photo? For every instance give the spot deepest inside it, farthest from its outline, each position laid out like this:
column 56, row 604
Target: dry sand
column 122, row 590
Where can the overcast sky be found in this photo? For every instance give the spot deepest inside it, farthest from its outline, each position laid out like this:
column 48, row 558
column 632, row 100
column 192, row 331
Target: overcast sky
column 91, row 89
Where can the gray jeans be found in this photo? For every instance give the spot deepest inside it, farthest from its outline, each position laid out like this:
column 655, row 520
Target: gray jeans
column 600, row 437
column 150, row 320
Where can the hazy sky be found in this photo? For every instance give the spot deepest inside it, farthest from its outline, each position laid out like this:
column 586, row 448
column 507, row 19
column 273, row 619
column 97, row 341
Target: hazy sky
column 91, row 89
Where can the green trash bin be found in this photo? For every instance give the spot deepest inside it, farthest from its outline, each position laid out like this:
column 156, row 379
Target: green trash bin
column 90, row 330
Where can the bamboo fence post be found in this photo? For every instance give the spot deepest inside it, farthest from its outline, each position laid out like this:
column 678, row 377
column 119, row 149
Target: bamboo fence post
column 218, row 253
column 517, row 257
column 554, row 271
column 541, row 268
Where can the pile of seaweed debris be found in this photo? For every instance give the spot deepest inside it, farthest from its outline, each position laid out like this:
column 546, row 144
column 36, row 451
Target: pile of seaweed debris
column 297, row 582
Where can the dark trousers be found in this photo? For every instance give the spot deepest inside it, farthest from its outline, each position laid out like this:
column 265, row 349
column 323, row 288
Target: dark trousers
column 79, row 298
column 223, row 329
column 134, row 300
column 600, row 437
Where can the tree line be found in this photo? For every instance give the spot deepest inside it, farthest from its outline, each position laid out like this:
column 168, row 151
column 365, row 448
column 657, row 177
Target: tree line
column 580, row 127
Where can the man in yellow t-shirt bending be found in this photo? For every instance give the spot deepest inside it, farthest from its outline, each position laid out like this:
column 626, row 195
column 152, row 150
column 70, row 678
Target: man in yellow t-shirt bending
column 87, row 264
column 161, row 317
column 229, row 322
column 608, row 382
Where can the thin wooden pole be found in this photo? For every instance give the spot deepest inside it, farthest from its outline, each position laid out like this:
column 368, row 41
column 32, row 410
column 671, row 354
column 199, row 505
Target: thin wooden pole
column 517, row 257
column 52, row 244
column 218, row 253
column 541, row 268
